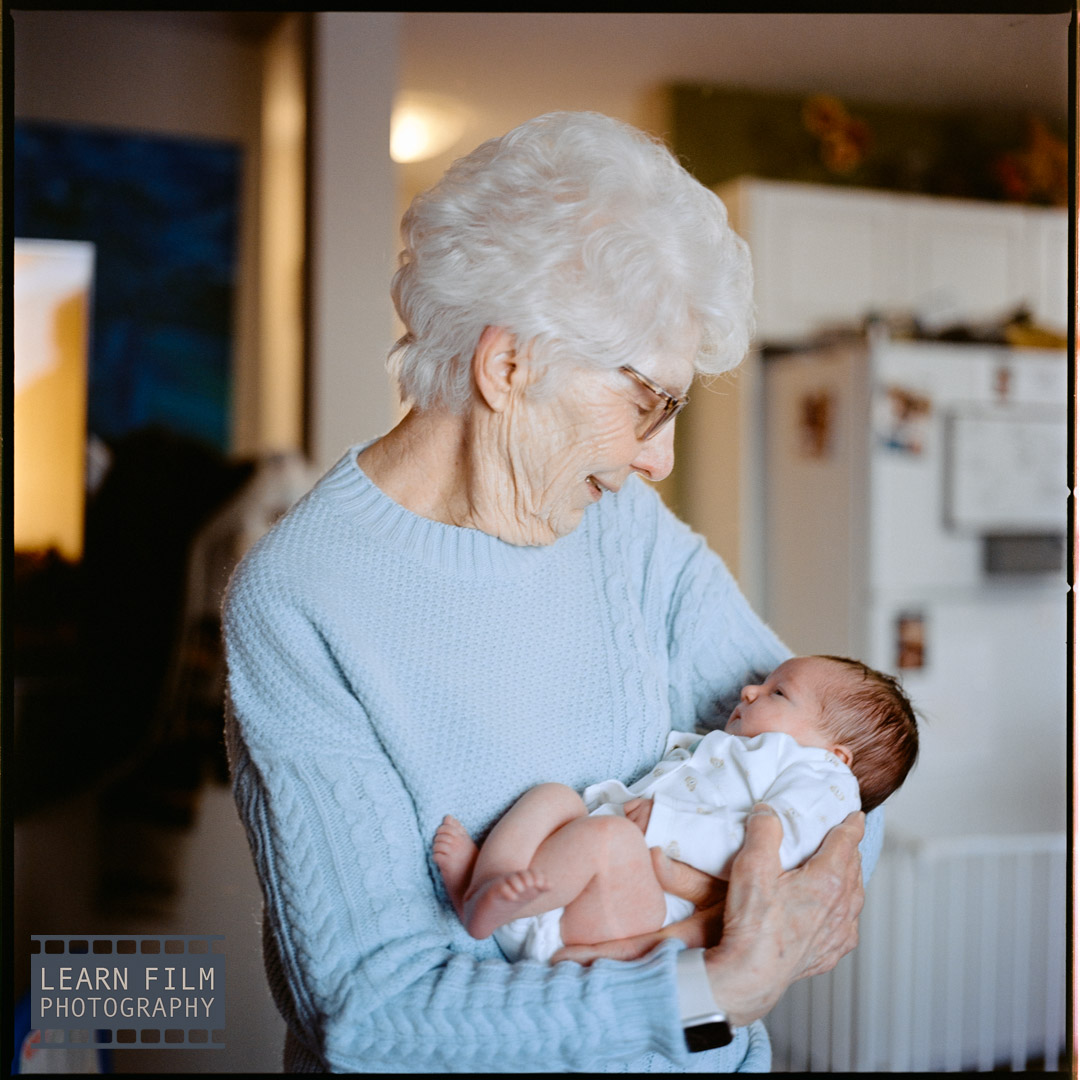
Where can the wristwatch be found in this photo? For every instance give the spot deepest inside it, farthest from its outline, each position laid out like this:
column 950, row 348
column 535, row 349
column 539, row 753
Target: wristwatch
column 706, row 1032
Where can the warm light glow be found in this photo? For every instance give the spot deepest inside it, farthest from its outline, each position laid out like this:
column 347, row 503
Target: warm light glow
column 50, row 329
column 282, row 183
column 423, row 126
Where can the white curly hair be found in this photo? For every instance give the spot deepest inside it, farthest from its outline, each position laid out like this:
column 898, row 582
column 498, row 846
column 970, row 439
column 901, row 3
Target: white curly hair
column 580, row 235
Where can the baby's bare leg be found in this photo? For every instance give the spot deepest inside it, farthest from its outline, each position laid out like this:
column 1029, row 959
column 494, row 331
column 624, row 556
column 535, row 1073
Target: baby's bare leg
column 597, row 868
column 500, row 879
column 454, row 852
column 514, row 840
column 604, row 863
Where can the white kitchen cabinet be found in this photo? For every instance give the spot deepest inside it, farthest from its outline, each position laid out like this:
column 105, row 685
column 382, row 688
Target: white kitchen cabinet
column 962, row 261
column 1048, row 247
column 820, row 254
column 825, row 256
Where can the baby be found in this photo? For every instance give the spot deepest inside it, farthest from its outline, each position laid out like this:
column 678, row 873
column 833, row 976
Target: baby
column 819, row 736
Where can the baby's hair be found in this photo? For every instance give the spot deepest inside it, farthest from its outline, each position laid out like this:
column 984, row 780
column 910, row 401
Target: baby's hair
column 874, row 718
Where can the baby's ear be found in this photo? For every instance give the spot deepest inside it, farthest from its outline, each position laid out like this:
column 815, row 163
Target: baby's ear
column 843, row 753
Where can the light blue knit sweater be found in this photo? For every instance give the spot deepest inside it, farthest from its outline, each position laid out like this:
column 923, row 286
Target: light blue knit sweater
column 385, row 670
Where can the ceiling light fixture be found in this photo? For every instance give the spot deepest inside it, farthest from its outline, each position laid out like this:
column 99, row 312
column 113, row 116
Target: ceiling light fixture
column 423, row 126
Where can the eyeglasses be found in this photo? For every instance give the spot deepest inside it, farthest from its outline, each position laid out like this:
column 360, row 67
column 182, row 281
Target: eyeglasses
column 668, row 409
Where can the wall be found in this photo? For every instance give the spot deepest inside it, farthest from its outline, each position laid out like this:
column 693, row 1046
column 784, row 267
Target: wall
column 282, row 236
column 353, row 244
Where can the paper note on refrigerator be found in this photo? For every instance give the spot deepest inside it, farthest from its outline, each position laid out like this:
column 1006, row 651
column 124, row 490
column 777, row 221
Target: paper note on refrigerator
column 1007, row 471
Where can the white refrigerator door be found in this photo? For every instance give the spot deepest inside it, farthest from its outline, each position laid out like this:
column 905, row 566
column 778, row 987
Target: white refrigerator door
column 992, row 692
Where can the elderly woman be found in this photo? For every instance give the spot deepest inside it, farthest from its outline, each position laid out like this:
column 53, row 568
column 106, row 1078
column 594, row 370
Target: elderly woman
column 489, row 597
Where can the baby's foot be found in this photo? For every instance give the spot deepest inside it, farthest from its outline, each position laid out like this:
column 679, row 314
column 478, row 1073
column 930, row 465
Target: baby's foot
column 503, row 899
column 454, row 852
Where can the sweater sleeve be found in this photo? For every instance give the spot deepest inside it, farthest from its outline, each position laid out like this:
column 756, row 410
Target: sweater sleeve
column 377, row 973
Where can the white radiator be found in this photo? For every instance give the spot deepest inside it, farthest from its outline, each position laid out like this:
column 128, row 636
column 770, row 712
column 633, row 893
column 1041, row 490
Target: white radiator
column 960, row 966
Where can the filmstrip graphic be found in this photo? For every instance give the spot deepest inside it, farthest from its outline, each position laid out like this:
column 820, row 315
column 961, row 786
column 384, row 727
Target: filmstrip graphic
column 128, row 991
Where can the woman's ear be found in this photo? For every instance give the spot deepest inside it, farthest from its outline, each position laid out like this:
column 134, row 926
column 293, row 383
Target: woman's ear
column 499, row 370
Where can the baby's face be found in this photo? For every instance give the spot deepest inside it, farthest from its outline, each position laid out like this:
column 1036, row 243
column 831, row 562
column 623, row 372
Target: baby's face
column 791, row 700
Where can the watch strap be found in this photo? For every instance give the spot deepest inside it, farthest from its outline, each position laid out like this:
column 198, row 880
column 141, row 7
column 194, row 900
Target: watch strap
column 708, row 1035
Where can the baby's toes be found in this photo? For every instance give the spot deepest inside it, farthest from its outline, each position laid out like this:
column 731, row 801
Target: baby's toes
column 538, row 882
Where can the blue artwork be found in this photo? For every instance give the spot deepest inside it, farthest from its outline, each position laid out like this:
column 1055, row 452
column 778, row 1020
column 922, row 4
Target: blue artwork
column 163, row 214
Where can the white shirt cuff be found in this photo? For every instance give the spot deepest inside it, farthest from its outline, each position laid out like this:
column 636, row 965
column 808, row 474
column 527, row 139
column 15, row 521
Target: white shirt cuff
column 692, row 983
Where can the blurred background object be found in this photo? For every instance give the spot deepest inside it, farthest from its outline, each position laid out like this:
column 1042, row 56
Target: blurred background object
column 53, row 281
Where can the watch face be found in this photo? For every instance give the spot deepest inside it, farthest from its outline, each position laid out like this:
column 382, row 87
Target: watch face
column 707, row 1036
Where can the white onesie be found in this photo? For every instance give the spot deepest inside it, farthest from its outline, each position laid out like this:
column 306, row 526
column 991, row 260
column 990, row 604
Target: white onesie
column 702, row 790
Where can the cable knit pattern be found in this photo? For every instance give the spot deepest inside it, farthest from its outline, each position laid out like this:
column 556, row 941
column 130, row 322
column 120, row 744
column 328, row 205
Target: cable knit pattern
column 385, row 670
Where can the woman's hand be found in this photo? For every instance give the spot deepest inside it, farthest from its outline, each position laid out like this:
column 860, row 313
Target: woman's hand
column 779, row 927
column 680, row 879
column 638, row 811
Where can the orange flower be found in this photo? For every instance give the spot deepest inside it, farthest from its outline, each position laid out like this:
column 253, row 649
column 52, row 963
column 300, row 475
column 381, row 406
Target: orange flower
column 844, row 138
column 1047, row 162
column 1012, row 178
column 839, row 153
column 1038, row 172
column 858, row 131
column 823, row 112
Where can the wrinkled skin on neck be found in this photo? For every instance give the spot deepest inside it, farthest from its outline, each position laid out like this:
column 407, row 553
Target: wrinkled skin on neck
column 536, row 466
column 524, row 464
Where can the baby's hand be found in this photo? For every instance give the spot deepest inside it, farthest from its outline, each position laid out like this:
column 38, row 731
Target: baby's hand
column 639, row 812
column 680, row 879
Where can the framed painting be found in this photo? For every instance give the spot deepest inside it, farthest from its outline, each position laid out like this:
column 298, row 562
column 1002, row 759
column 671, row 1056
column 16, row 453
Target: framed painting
column 162, row 213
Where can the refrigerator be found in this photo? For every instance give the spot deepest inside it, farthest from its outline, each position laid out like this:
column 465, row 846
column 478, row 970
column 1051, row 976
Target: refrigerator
column 914, row 516
column 914, row 513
